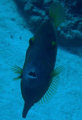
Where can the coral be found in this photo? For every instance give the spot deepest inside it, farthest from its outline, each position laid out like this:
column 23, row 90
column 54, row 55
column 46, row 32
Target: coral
column 70, row 32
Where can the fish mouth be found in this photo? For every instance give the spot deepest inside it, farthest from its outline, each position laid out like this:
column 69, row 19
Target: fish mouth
column 32, row 74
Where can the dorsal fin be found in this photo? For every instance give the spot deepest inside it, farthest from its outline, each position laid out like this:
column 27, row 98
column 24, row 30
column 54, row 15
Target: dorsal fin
column 53, row 86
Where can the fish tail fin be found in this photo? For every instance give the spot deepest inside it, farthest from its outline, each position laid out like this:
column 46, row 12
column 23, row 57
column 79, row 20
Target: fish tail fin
column 57, row 13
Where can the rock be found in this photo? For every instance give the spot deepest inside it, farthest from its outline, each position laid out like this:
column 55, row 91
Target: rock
column 70, row 32
column 71, row 36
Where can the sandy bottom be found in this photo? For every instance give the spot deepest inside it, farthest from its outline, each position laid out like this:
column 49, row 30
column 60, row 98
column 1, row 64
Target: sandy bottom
column 67, row 102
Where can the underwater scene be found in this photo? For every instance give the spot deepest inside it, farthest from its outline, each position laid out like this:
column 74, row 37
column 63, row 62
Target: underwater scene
column 41, row 59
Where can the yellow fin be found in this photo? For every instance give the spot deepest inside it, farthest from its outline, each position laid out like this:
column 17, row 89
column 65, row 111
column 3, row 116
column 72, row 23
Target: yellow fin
column 57, row 71
column 17, row 78
column 53, row 86
column 17, row 70
column 57, row 13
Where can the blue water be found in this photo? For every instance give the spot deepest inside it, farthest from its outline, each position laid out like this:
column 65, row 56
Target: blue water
column 66, row 104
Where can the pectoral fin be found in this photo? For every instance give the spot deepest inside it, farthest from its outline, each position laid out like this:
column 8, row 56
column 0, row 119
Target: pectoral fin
column 17, row 70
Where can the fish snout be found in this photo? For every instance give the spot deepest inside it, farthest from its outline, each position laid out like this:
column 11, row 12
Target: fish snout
column 31, row 79
column 32, row 74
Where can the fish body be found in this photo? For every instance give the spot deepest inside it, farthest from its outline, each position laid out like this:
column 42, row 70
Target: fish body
column 39, row 80
column 39, row 63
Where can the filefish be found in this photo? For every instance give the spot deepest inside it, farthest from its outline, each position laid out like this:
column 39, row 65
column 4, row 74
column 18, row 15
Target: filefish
column 39, row 79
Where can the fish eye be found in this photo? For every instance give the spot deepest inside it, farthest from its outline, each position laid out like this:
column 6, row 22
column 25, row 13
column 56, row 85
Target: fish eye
column 31, row 41
column 54, row 45
column 32, row 74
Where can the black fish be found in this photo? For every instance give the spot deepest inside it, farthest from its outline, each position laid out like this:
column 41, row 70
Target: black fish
column 39, row 80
